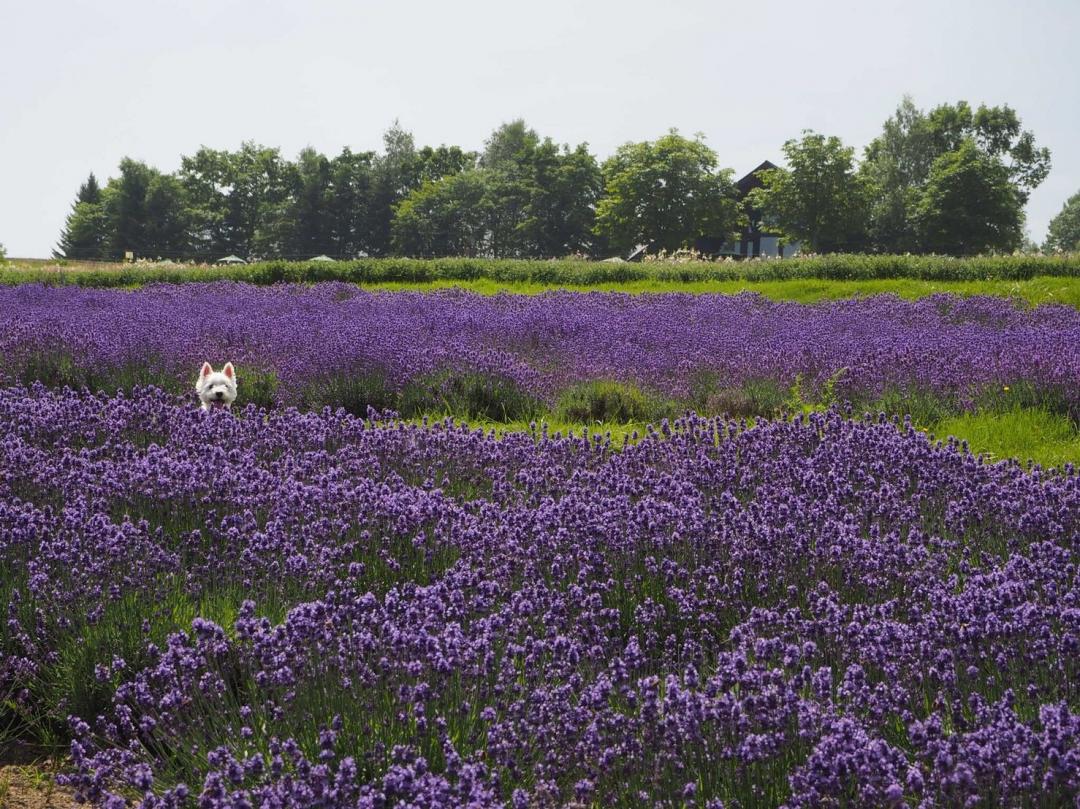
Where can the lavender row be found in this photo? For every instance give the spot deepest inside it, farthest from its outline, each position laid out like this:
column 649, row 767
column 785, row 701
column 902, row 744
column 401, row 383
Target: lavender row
column 670, row 343
column 310, row 610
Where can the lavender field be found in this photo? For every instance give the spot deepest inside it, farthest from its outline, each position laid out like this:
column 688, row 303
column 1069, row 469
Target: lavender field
column 333, row 344
column 313, row 610
column 289, row 605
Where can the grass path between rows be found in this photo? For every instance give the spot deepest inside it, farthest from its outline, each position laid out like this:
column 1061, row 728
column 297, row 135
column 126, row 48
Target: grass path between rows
column 1028, row 435
column 1040, row 290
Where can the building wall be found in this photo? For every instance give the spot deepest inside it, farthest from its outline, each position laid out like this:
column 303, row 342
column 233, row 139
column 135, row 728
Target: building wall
column 770, row 246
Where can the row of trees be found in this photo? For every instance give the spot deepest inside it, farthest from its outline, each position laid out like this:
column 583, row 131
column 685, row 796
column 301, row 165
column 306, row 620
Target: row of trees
column 953, row 180
column 254, row 202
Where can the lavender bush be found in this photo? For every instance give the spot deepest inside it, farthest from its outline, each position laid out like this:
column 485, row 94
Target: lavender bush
column 335, row 344
column 305, row 609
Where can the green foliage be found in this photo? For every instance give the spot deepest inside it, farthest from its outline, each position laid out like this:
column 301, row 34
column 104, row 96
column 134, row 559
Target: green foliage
column 396, row 173
column 665, row 193
column 355, row 392
column 968, row 205
column 145, row 211
column 447, row 217
column 996, row 131
column 87, row 233
column 924, row 407
column 1028, row 434
column 352, row 183
column 539, row 199
column 142, row 210
column 754, row 398
column 614, row 402
column 835, row 267
column 256, row 386
column 1064, row 233
column 526, row 198
column 299, row 222
column 801, row 399
column 818, row 199
column 898, row 163
column 469, row 394
column 229, row 194
column 86, row 230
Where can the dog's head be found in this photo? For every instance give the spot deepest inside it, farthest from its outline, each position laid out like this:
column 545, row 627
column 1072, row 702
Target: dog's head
column 216, row 388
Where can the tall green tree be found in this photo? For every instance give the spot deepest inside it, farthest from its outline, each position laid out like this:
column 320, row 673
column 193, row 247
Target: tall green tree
column 145, row 212
column 397, row 173
column 300, row 224
column 509, row 164
column 208, row 181
column 126, row 209
column 543, row 196
column 897, row 163
column 537, row 199
column 230, row 193
column 261, row 181
column 665, row 192
column 442, row 161
column 446, row 217
column 895, row 166
column 969, row 204
column 562, row 212
column 351, row 203
column 85, row 231
column 818, row 199
column 1064, row 233
column 166, row 228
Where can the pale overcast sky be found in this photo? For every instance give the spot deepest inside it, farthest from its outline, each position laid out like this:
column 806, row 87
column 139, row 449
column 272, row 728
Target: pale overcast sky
column 85, row 83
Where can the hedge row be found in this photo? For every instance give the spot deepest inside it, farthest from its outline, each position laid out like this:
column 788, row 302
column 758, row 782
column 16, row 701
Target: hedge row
column 840, row 267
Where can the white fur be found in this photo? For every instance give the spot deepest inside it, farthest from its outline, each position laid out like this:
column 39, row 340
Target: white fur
column 216, row 388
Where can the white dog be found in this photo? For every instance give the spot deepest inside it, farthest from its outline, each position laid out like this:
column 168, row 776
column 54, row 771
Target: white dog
column 216, row 389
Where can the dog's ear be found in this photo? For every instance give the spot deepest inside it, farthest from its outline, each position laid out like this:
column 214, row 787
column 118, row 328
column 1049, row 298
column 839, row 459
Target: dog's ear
column 228, row 371
column 207, row 369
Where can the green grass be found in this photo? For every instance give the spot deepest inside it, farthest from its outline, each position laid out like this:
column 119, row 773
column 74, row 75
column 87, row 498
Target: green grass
column 1027, row 434
column 562, row 272
column 1041, row 280
column 619, row 432
column 1035, row 291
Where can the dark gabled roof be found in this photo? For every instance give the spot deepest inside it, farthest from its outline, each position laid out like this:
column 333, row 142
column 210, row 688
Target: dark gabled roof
column 751, row 180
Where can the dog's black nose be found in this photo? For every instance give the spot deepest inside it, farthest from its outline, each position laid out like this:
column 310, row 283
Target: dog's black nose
column 219, row 395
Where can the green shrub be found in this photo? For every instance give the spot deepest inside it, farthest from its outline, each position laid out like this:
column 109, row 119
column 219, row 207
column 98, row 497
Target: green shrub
column 468, row 394
column 355, row 392
column 255, row 386
column 838, row 267
column 753, row 398
column 925, row 407
column 615, row 402
column 1027, row 396
column 58, row 368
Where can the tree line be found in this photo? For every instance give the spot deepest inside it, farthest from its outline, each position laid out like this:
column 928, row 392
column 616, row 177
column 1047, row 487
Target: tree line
column 952, row 180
